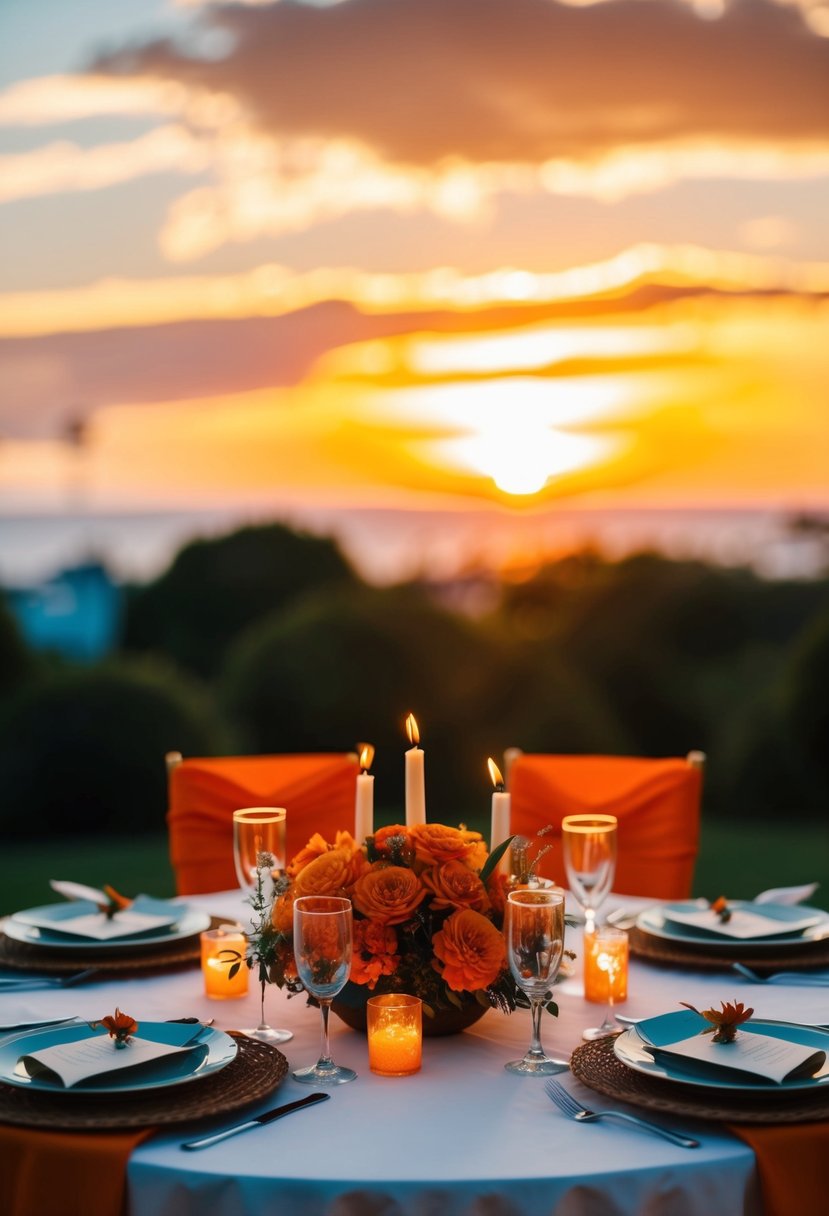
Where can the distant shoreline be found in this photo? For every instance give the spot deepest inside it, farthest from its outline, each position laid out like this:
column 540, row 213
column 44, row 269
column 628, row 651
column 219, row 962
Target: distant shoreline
column 389, row 545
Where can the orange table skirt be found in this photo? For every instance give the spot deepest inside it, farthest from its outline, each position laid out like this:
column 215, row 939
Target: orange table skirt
column 46, row 1173
column 793, row 1164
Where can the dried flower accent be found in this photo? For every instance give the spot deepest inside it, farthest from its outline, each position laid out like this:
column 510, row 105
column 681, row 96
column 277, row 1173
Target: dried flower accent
column 721, row 908
column 724, row 1021
column 116, row 902
column 121, row 1027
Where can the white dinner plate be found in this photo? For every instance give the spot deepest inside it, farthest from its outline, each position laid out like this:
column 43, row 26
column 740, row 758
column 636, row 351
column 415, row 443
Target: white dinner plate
column 631, row 1048
column 218, row 1051
column 655, row 921
column 189, row 923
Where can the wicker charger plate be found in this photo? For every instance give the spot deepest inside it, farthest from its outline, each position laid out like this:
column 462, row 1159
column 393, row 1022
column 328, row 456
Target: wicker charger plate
column 655, row 949
column 22, row 956
column 256, row 1071
column 597, row 1066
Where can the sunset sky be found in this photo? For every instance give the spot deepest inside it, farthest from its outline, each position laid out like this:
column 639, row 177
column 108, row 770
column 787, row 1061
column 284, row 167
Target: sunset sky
column 453, row 256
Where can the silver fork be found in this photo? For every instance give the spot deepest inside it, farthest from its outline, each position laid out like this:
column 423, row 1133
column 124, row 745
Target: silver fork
column 568, row 1105
column 24, row 983
column 805, row 978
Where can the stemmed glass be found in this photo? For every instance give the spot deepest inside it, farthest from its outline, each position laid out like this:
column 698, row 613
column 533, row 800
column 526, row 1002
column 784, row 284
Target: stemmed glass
column 259, row 856
column 609, row 951
column 589, row 846
column 535, row 944
column 322, row 952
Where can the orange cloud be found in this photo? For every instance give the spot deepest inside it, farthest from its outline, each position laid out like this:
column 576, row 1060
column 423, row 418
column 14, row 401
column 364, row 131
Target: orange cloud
column 510, row 80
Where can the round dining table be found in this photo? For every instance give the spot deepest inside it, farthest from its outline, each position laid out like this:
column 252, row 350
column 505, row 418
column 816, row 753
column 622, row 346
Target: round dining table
column 462, row 1137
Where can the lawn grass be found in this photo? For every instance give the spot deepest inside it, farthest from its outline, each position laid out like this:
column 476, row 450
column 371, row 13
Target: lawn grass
column 737, row 859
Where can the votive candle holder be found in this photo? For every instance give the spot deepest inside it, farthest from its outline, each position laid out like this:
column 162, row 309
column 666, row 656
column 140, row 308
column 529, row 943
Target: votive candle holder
column 606, row 966
column 216, row 965
column 395, row 1034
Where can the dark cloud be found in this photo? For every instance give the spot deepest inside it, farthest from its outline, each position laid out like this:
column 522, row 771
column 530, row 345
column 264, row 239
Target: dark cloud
column 511, row 80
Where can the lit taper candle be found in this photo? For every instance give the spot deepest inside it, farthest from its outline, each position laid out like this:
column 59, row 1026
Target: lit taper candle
column 415, row 776
column 499, row 829
column 364, row 805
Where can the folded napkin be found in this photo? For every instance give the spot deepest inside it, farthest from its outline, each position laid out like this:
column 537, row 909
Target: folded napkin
column 65, row 1173
column 787, row 895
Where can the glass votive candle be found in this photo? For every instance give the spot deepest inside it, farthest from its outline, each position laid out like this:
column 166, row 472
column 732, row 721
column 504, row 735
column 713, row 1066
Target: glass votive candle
column 216, row 963
column 395, row 1034
column 606, row 965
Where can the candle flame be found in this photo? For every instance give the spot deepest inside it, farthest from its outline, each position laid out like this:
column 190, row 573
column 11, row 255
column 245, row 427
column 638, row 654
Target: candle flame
column 366, row 756
column 495, row 774
column 411, row 730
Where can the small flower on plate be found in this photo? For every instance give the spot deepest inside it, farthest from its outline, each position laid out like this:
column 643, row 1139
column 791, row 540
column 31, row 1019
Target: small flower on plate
column 724, row 1021
column 721, row 908
column 121, row 1027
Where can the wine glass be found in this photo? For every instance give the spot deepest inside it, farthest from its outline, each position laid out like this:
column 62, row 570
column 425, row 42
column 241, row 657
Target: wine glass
column 608, row 955
column 589, row 846
column 259, row 856
column 535, row 944
column 322, row 952
column 258, row 830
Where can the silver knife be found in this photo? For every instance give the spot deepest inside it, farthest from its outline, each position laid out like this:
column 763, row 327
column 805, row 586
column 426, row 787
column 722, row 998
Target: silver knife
column 276, row 1113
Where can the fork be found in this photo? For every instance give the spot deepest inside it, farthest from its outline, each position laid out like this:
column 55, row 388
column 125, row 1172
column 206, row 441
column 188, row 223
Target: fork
column 568, row 1105
column 804, row 978
column 32, row 983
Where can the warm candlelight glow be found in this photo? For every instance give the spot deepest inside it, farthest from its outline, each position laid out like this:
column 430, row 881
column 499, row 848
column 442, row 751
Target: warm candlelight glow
column 394, row 1034
column 411, row 730
column 366, row 756
column 495, row 774
column 605, row 967
column 220, row 949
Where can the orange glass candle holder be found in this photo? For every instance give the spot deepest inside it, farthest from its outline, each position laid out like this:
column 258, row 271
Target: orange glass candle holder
column 217, row 961
column 606, row 966
column 395, row 1034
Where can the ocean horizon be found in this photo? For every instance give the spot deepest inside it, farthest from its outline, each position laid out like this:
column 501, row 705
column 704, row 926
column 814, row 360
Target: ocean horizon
column 392, row 545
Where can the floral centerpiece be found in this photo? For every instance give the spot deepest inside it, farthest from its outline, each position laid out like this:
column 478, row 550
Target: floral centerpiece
column 428, row 907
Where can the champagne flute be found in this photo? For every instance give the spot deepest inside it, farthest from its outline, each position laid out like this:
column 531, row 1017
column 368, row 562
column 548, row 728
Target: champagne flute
column 609, row 955
column 322, row 952
column 535, row 944
column 259, row 857
column 589, row 846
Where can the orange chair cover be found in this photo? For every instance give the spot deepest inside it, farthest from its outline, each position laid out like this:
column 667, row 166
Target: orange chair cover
column 46, row 1173
column 791, row 1162
column 655, row 801
column 318, row 792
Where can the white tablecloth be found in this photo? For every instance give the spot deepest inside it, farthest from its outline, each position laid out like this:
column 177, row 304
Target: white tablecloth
column 461, row 1138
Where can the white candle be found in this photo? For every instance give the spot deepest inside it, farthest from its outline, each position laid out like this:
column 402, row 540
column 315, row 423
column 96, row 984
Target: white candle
column 364, row 805
column 415, row 777
column 499, row 829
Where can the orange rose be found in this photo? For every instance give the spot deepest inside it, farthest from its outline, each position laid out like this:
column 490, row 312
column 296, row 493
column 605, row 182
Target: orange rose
column 454, row 885
column 315, row 847
column 435, row 843
column 282, row 913
column 325, row 875
column 469, row 951
column 356, row 868
column 388, row 894
column 374, row 952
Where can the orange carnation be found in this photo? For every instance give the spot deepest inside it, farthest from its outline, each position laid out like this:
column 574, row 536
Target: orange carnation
column 388, row 894
column 325, row 875
column 469, row 951
column 454, row 885
column 383, row 835
column 315, row 847
column 374, row 952
column 435, row 843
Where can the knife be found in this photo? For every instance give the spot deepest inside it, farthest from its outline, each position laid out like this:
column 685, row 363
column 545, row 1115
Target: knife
column 276, row 1113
